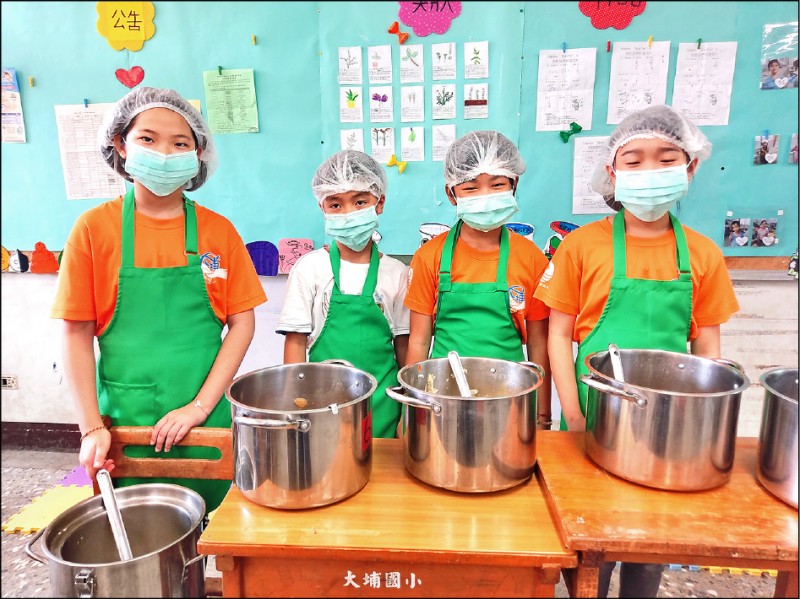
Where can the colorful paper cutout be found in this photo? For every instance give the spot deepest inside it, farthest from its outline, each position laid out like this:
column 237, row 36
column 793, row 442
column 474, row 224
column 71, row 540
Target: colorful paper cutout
column 611, row 14
column 562, row 228
column 525, row 229
column 6, row 258
column 792, row 270
column 264, row 255
column 401, row 35
column 130, row 78
column 428, row 17
column 18, row 262
column 400, row 164
column 43, row 260
column 126, row 25
column 431, row 230
column 290, row 251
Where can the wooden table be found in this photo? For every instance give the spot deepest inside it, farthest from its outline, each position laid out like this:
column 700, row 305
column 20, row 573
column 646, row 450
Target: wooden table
column 397, row 536
column 606, row 518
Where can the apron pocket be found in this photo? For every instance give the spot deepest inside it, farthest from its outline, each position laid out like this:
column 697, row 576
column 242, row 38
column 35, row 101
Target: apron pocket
column 128, row 404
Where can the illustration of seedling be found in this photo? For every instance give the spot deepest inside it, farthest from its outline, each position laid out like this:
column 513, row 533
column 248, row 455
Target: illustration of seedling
column 410, row 56
column 476, row 56
column 351, row 98
column 351, row 140
column 349, row 61
column 375, row 58
column 412, row 98
column 443, row 97
column 412, row 136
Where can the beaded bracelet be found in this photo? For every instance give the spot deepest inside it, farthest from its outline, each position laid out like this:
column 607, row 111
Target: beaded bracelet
column 201, row 408
column 90, row 431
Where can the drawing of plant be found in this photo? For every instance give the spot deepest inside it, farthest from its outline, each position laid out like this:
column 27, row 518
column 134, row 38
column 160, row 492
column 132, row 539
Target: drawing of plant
column 351, row 98
column 471, row 90
column 476, row 56
column 412, row 98
column 380, row 98
column 412, row 136
column 438, row 57
column 450, row 55
column 443, row 97
column 379, row 135
column 483, row 93
column 351, row 140
column 410, row 56
column 375, row 58
column 349, row 61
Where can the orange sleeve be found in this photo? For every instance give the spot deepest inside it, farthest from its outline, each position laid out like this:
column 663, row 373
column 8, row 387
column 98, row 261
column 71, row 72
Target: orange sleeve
column 559, row 286
column 537, row 309
column 74, row 296
column 244, row 287
column 423, row 277
column 714, row 297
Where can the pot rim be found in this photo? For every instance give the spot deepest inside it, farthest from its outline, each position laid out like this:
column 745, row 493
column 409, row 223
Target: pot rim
column 409, row 387
column 708, row 394
column 99, row 499
column 776, row 371
column 372, row 380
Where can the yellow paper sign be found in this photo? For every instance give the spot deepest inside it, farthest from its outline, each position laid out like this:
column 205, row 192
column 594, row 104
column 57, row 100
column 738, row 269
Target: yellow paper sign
column 126, row 25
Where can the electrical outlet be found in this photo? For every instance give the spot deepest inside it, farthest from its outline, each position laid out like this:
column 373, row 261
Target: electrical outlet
column 10, row 381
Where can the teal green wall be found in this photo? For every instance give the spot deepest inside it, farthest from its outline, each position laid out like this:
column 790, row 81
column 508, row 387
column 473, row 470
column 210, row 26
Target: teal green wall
column 262, row 183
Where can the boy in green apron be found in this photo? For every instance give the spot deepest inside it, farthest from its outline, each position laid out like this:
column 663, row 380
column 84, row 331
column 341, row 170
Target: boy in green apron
column 471, row 289
column 155, row 277
column 639, row 279
column 346, row 302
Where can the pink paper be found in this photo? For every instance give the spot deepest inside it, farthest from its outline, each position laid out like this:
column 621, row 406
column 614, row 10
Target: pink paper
column 290, row 251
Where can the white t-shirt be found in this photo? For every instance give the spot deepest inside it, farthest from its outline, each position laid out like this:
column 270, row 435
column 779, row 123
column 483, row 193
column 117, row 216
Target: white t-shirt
column 308, row 293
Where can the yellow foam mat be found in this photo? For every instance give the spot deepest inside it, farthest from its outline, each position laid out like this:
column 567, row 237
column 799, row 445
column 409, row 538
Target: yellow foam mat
column 739, row 571
column 43, row 509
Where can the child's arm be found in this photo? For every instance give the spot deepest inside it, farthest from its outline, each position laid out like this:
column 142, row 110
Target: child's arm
column 175, row 424
column 537, row 332
column 294, row 348
column 707, row 342
column 563, row 368
column 419, row 339
column 79, row 369
column 401, row 349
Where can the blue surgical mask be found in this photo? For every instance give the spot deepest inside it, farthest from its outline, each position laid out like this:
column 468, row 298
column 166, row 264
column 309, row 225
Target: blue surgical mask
column 160, row 173
column 487, row 212
column 353, row 229
column 650, row 194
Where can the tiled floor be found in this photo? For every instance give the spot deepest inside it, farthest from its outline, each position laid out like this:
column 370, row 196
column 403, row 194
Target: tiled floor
column 27, row 474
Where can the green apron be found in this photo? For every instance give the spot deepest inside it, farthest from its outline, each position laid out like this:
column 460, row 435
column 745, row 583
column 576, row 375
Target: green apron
column 474, row 319
column 356, row 330
column 640, row 313
column 158, row 349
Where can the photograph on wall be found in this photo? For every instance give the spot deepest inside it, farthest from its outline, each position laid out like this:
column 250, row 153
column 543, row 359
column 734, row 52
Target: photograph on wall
column 765, row 232
column 736, row 232
column 766, row 149
column 779, row 56
column 793, row 149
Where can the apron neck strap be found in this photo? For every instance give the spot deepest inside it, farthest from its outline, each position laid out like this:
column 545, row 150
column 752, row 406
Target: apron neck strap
column 128, row 228
column 372, row 274
column 445, row 266
column 620, row 256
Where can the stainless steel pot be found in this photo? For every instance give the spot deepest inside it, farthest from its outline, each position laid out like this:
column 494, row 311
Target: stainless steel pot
column 302, row 433
column 164, row 523
column 476, row 444
column 671, row 425
column 777, row 442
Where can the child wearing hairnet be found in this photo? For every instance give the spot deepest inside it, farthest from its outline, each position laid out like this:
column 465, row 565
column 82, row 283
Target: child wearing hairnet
column 471, row 289
column 638, row 279
column 346, row 302
column 155, row 277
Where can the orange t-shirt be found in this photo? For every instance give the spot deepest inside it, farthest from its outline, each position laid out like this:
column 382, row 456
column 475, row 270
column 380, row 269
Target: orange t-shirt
column 526, row 263
column 578, row 279
column 89, row 275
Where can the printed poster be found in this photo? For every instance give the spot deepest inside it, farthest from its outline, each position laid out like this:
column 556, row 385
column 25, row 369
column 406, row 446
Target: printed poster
column 231, row 101
column 350, row 65
column 443, row 136
column 703, row 82
column 412, row 103
column 589, row 151
column 476, row 60
column 13, row 122
column 412, row 64
column 380, row 64
column 443, row 59
column 638, row 78
column 412, row 144
column 565, row 89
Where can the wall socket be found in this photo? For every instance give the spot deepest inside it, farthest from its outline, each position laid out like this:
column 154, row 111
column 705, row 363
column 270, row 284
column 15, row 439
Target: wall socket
column 10, row 381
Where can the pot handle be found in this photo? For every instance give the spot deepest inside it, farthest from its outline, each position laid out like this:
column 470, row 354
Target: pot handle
column 534, row 366
column 194, row 560
column 337, row 361
column 300, row 424
column 396, row 393
column 631, row 396
column 29, row 547
column 735, row 365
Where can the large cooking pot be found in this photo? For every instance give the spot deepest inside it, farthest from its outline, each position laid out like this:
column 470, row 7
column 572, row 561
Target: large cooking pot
column 302, row 433
column 163, row 522
column 777, row 442
column 671, row 424
column 476, row 444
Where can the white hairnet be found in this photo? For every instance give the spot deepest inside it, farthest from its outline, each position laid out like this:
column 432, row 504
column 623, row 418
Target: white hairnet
column 660, row 122
column 119, row 118
column 349, row 170
column 480, row 152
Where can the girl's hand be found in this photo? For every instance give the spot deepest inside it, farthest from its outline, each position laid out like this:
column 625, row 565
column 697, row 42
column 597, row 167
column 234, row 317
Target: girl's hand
column 172, row 428
column 94, row 449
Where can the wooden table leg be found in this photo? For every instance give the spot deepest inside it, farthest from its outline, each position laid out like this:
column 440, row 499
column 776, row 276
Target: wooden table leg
column 231, row 575
column 786, row 585
column 582, row 581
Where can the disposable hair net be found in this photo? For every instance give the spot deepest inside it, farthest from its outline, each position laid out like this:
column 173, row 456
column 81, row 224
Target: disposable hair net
column 119, row 118
column 349, row 170
column 480, row 152
column 659, row 122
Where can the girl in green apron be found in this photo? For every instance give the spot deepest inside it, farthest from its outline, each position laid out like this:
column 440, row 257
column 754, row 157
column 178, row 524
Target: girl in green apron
column 162, row 361
column 639, row 279
column 346, row 303
column 471, row 289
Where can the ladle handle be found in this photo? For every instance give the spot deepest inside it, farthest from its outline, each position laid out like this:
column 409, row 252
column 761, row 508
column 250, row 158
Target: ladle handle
column 114, row 517
column 616, row 362
column 458, row 374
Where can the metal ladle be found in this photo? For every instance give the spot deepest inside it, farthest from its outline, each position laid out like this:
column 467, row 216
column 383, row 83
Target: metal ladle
column 616, row 362
column 114, row 517
column 458, row 374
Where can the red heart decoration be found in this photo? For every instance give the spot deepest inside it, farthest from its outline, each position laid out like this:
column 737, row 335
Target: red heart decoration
column 130, row 78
